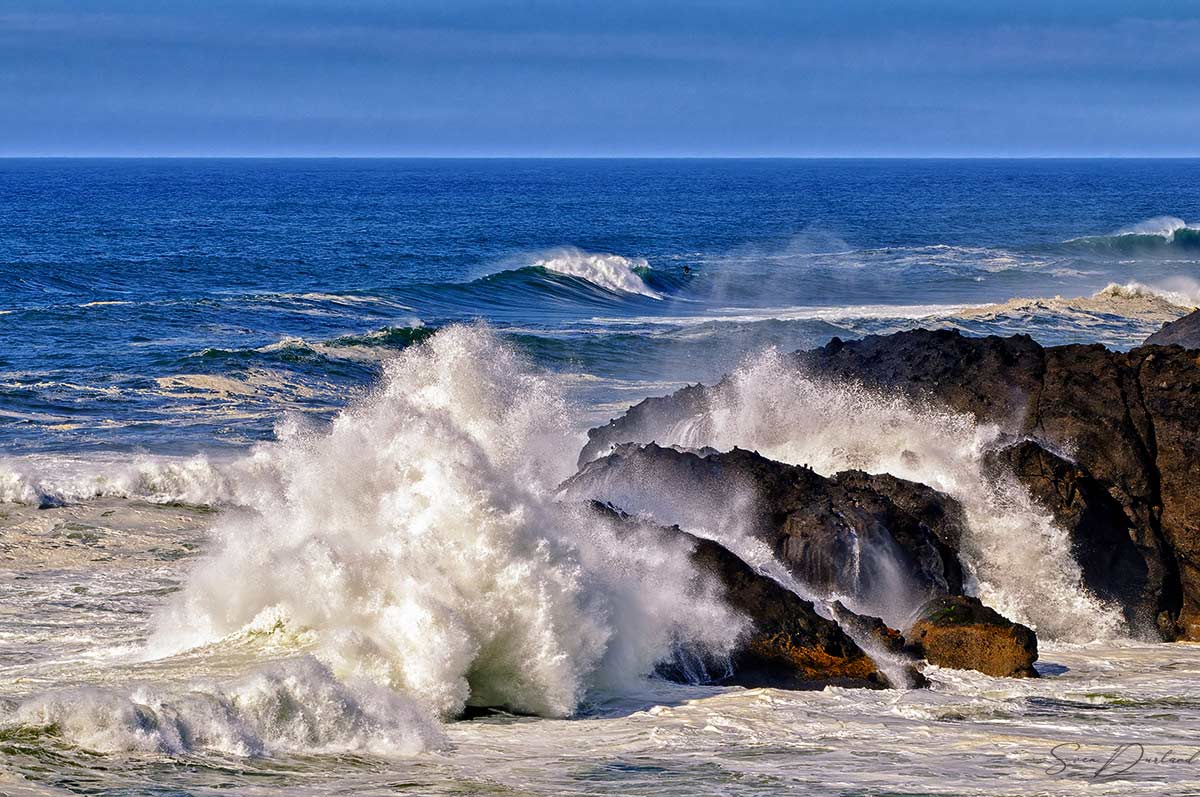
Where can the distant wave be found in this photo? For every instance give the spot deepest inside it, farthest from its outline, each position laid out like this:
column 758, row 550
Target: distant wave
column 611, row 272
column 368, row 346
column 1118, row 315
column 1157, row 233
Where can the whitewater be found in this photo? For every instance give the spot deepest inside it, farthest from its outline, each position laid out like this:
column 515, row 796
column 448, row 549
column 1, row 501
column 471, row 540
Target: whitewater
column 280, row 504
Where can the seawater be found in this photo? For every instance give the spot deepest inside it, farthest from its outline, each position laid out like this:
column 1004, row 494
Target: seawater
column 279, row 444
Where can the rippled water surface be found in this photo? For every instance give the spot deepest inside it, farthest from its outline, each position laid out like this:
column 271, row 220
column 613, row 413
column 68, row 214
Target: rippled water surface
column 279, row 442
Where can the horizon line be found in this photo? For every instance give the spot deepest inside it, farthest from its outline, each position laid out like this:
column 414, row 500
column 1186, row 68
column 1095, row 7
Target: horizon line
column 177, row 156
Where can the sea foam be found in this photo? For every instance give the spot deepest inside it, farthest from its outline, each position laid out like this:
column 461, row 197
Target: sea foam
column 291, row 706
column 416, row 545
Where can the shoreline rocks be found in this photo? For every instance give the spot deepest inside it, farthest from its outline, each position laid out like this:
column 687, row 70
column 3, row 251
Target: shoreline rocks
column 883, row 541
column 962, row 633
column 1183, row 332
column 789, row 645
column 1128, row 421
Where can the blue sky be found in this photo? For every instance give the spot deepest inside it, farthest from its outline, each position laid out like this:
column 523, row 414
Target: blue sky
column 708, row 77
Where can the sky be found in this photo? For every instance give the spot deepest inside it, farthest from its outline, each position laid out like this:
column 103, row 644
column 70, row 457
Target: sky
column 615, row 78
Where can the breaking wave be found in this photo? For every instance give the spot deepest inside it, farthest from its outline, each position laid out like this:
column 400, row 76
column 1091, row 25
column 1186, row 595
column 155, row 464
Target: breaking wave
column 416, row 545
column 611, row 272
column 1158, row 233
column 294, row 706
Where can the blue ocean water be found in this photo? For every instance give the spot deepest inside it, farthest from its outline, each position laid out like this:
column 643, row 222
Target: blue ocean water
column 171, row 306
column 310, row 616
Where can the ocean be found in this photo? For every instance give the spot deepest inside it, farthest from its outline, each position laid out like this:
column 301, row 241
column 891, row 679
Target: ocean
column 279, row 441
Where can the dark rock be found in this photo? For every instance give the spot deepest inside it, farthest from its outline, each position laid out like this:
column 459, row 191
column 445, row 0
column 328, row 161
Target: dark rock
column 1130, row 420
column 1102, row 536
column 1183, row 332
column 789, row 646
column 962, row 633
column 881, row 540
column 875, row 629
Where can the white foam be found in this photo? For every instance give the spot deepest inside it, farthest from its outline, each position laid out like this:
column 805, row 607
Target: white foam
column 198, row 481
column 418, row 543
column 611, row 272
column 291, row 706
column 1177, row 292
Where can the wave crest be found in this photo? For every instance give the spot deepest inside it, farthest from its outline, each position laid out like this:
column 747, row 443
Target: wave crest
column 420, row 544
column 611, row 272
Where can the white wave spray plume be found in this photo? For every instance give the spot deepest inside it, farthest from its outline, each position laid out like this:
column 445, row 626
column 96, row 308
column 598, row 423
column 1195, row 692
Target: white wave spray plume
column 1019, row 559
column 1178, row 292
column 416, row 545
column 611, row 272
column 1162, row 226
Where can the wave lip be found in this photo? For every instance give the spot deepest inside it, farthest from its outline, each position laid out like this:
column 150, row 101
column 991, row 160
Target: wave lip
column 1158, row 232
column 610, row 272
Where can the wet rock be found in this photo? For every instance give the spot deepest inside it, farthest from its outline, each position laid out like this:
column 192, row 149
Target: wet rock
column 1183, row 332
column 881, row 540
column 1102, row 536
column 962, row 633
column 789, row 645
column 861, row 626
column 1130, row 420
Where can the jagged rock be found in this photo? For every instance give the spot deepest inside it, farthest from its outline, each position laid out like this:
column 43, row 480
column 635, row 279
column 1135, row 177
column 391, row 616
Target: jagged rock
column 1183, row 332
column 1102, row 535
column 789, row 646
column 1130, row 419
column 863, row 626
column 960, row 632
column 884, row 541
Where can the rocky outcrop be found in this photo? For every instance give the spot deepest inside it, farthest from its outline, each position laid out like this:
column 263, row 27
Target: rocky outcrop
column 1113, row 565
column 1130, row 420
column 1183, row 332
column 883, row 541
column 962, row 633
column 789, row 645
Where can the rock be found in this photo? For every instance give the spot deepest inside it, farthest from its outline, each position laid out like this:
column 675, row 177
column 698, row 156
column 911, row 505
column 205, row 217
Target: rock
column 789, row 646
column 862, row 626
column 1129, row 420
column 962, row 633
column 882, row 541
column 1113, row 566
column 1183, row 332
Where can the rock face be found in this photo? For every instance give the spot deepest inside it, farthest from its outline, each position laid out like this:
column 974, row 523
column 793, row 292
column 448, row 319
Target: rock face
column 882, row 541
column 1113, row 565
column 1184, row 332
column 789, row 645
column 962, row 633
column 1129, row 420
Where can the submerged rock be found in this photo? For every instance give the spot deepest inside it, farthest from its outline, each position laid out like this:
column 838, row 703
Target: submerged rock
column 962, row 633
column 882, row 541
column 789, row 645
column 1183, row 332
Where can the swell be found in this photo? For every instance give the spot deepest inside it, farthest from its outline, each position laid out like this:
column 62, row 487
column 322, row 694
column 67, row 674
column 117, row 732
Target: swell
column 1159, row 235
